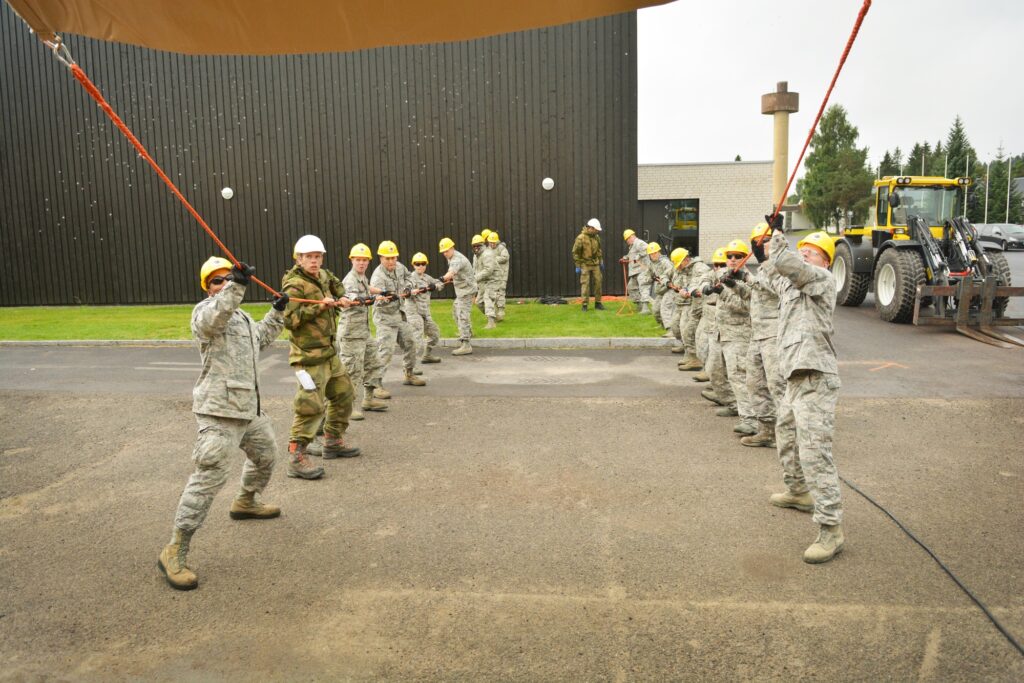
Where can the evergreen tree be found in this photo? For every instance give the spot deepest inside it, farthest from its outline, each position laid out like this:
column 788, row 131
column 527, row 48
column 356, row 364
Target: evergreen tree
column 937, row 160
column 838, row 179
column 917, row 162
column 997, row 180
column 887, row 166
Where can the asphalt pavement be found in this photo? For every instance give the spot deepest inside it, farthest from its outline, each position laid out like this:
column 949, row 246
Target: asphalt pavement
column 530, row 514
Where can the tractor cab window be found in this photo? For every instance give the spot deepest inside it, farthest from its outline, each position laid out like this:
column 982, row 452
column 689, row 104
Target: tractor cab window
column 933, row 204
column 883, row 206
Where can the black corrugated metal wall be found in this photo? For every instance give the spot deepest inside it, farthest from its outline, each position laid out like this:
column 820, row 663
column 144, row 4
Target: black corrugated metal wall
column 409, row 144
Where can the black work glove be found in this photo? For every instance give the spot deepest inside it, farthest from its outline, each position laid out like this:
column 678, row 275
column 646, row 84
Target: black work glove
column 728, row 281
column 280, row 302
column 758, row 249
column 774, row 223
column 717, row 289
column 241, row 274
column 708, row 290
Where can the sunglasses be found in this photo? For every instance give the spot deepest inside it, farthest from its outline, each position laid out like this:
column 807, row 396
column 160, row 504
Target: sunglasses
column 734, row 256
column 419, row 264
column 219, row 280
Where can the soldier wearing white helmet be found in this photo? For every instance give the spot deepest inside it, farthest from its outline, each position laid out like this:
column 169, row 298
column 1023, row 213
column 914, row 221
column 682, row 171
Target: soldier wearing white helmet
column 589, row 260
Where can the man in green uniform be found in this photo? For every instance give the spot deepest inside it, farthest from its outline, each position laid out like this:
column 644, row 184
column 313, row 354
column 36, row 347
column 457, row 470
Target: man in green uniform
column 586, row 254
column 325, row 389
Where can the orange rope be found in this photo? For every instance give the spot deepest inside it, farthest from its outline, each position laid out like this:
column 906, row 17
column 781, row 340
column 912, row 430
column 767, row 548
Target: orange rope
column 814, row 126
column 95, row 93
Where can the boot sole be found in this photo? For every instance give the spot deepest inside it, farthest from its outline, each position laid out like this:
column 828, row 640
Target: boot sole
column 823, row 560
column 712, row 400
column 427, row 362
column 698, row 379
column 251, row 515
column 414, row 384
column 757, row 445
column 801, row 508
column 311, row 475
column 348, row 453
column 173, row 585
column 376, row 410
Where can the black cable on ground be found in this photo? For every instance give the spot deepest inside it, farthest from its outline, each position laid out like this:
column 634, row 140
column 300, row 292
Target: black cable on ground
column 949, row 572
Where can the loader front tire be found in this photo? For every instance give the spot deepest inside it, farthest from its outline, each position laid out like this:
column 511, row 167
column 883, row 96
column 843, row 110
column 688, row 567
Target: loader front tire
column 851, row 287
column 897, row 276
column 1002, row 268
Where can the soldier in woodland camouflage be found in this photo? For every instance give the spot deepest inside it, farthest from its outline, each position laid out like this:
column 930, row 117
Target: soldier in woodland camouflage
column 227, row 403
column 393, row 328
column 460, row 274
column 589, row 260
column 807, row 360
column 314, row 358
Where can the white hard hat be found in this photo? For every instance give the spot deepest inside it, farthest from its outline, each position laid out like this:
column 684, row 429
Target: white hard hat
column 308, row 243
column 595, row 224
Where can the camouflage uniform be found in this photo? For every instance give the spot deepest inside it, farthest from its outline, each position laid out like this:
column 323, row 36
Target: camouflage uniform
column 715, row 365
column 357, row 350
column 426, row 333
column 689, row 308
column 734, row 333
column 485, row 267
column 707, row 319
column 392, row 326
column 501, row 280
column 465, row 287
column 312, row 349
column 586, row 254
column 807, row 359
column 638, row 280
column 226, row 401
column 662, row 305
column 765, row 384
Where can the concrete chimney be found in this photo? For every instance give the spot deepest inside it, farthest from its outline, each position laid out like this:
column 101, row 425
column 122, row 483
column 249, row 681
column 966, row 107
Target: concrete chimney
column 780, row 104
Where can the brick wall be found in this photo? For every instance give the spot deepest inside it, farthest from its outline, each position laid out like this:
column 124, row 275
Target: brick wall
column 734, row 195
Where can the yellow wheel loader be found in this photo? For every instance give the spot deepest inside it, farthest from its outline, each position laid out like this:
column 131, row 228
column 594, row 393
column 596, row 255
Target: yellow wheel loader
column 920, row 255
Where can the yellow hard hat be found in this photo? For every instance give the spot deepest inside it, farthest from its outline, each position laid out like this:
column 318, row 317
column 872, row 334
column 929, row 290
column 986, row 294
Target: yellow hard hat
column 212, row 265
column 419, row 257
column 477, row 239
column 387, row 248
column 492, row 238
column 678, row 255
column 627, row 233
column 759, row 229
column 737, row 247
column 719, row 256
column 360, row 251
column 653, row 247
column 822, row 241
column 485, row 233
column 445, row 244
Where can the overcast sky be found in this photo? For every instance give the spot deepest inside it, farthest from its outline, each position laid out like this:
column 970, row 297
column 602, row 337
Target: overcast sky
column 703, row 67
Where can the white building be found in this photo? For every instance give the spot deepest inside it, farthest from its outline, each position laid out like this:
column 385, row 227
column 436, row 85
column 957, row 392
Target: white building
column 701, row 206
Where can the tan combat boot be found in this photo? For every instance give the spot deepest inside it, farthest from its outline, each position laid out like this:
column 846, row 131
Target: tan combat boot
column 245, row 506
column 645, row 309
column 299, row 465
column 690, row 362
column 798, row 501
column 490, row 323
column 356, row 416
column 429, row 357
column 746, row 426
column 334, row 447
column 710, row 395
column 701, row 377
column 370, row 403
column 381, row 392
column 828, row 545
column 765, row 437
column 464, row 349
column 173, row 563
column 727, row 411
column 413, row 380
column 679, row 348
column 499, row 316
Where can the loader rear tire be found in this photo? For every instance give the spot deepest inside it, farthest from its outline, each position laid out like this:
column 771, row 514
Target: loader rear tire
column 851, row 287
column 1002, row 268
column 897, row 276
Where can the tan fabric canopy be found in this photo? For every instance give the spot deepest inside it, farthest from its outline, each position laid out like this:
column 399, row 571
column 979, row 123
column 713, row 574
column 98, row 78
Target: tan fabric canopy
column 268, row 27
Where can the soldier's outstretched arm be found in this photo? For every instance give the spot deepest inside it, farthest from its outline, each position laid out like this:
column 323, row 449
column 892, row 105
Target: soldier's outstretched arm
column 210, row 318
column 295, row 314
